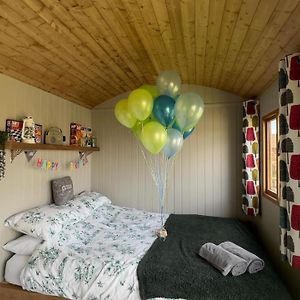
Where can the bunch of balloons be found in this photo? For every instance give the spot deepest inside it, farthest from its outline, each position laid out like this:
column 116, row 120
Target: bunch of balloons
column 159, row 116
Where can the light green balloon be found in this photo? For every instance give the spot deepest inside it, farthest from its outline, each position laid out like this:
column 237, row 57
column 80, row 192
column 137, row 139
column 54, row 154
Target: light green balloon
column 138, row 127
column 189, row 108
column 140, row 104
column 153, row 137
column 123, row 115
column 152, row 89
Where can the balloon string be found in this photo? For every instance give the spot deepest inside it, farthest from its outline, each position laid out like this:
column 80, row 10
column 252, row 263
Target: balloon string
column 159, row 166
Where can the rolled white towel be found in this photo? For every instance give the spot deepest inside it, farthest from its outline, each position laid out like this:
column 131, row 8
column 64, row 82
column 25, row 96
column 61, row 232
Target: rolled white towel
column 254, row 263
column 223, row 260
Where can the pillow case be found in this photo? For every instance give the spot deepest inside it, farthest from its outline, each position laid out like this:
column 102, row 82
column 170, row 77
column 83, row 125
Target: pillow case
column 45, row 222
column 62, row 190
column 91, row 200
column 24, row 245
column 14, row 267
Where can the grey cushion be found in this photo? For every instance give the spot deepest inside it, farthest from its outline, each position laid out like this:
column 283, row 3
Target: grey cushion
column 62, row 190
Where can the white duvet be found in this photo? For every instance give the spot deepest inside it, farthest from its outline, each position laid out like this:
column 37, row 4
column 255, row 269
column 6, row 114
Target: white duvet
column 96, row 258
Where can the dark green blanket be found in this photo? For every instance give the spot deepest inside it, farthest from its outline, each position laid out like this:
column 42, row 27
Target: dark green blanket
column 173, row 268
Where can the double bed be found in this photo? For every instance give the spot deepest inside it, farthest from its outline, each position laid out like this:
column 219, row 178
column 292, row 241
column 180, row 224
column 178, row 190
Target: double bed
column 112, row 253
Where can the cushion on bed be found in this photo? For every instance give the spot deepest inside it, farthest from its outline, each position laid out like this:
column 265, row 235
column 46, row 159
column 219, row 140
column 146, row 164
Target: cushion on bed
column 23, row 245
column 62, row 190
column 46, row 222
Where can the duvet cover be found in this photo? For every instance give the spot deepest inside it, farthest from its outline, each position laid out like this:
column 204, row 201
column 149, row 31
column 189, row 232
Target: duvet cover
column 96, row 258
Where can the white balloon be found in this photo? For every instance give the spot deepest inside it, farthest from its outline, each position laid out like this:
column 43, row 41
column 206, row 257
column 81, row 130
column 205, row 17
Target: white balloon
column 189, row 108
column 169, row 83
column 174, row 142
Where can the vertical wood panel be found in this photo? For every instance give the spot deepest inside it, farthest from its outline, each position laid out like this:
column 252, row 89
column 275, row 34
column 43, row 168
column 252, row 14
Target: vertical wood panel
column 204, row 179
column 24, row 186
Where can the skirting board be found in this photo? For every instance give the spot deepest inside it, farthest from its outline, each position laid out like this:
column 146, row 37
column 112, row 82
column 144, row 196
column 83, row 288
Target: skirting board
column 12, row 292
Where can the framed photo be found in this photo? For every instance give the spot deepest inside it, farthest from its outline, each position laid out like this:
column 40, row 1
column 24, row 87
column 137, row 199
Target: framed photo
column 38, row 133
column 14, row 130
column 75, row 134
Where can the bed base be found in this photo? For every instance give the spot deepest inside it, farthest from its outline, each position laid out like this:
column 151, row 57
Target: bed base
column 13, row 292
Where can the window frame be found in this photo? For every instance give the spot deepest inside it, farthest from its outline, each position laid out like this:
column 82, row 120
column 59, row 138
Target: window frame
column 266, row 191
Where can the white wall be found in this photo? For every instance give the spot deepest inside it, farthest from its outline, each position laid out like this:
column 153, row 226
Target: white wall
column 206, row 175
column 25, row 187
column 267, row 225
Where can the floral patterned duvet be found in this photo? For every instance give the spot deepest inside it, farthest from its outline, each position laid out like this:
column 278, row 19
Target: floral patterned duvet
column 95, row 258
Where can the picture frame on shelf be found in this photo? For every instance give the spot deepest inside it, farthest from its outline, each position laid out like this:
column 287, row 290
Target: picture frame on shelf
column 38, row 134
column 14, row 130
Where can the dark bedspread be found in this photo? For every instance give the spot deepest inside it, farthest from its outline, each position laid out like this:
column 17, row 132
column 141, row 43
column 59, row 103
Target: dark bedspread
column 173, row 268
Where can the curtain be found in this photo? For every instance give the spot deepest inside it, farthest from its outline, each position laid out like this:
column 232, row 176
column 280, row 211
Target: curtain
column 250, row 160
column 289, row 164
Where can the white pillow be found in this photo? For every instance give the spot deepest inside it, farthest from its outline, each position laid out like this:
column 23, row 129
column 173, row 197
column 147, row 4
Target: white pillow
column 14, row 267
column 24, row 245
column 91, row 200
column 46, row 222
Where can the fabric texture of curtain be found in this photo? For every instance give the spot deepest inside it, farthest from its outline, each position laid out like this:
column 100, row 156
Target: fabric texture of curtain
column 289, row 164
column 250, row 160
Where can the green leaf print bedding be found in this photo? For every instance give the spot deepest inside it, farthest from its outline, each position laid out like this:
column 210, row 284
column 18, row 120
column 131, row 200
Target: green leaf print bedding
column 95, row 258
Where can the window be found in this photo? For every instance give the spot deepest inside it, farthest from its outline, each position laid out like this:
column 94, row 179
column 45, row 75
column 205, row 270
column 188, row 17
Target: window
column 270, row 123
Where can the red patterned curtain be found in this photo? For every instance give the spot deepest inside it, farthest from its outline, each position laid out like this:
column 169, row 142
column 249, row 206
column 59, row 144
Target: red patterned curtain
column 289, row 131
column 250, row 181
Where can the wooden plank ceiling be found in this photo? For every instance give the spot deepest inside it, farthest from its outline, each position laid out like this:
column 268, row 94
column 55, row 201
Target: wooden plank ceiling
column 89, row 51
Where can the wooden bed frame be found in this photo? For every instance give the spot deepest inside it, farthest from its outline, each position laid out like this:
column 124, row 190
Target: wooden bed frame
column 13, row 292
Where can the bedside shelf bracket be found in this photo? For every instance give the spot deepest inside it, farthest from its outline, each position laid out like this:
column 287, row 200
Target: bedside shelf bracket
column 83, row 154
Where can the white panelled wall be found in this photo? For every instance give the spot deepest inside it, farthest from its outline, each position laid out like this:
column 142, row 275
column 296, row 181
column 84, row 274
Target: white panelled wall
column 25, row 186
column 206, row 174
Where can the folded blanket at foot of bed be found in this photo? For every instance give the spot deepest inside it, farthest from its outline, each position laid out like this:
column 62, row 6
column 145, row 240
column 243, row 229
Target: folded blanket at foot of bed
column 173, row 268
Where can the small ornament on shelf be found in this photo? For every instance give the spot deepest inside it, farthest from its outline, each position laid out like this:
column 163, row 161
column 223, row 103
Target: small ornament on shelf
column 28, row 131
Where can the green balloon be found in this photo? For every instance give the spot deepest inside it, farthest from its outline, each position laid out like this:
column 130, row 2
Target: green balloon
column 123, row 115
column 140, row 104
column 152, row 89
column 154, row 137
column 138, row 127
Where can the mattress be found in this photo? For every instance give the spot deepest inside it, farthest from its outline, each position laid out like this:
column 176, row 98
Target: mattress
column 14, row 267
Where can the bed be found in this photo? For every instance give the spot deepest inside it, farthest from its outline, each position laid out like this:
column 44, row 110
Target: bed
column 98, row 257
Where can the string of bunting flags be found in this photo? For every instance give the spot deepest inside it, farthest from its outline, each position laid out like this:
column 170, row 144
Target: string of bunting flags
column 50, row 165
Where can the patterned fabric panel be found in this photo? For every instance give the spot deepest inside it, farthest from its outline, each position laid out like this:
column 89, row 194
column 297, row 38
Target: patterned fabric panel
column 289, row 130
column 96, row 258
column 250, row 179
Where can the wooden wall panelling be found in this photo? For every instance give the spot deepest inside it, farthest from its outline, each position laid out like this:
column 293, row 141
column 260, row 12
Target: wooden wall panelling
column 285, row 42
column 175, row 23
column 201, row 27
column 95, row 50
column 230, row 16
column 246, row 13
column 204, row 178
column 259, row 21
column 216, row 11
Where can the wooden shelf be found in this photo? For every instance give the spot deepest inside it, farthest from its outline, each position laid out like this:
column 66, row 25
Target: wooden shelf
column 31, row 149
column 24, row 146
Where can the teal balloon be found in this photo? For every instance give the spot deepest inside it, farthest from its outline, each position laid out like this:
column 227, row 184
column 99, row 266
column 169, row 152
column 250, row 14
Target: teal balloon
column 188, row 110
column 169, row 83
column 176, row 126
column 187, row 133
column 163, row 110
column 174, row 142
